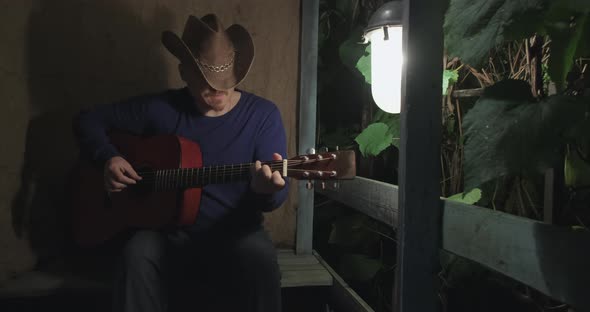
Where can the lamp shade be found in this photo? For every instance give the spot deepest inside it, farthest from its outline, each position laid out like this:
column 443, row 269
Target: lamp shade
column 384, row 32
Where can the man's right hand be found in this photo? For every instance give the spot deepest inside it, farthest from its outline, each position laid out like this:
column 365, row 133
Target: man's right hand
column 118, row 173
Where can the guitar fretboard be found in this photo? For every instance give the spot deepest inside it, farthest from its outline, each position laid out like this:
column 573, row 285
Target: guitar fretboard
column 180, row 178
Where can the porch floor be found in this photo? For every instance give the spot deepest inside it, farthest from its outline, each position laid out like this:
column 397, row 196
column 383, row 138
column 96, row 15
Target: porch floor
column 296, row 271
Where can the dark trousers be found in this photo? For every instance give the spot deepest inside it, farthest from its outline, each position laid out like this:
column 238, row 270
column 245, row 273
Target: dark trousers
column 173, row 271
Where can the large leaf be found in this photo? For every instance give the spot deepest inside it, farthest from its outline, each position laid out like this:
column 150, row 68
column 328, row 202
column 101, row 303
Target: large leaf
column 576, row 167
column 473, row 27
column 363, row 65
column 374, row 139
column 508, row 133
column 352, row 51
column 392, row 121
column 567, row 42
column 470, row 198
column 383, row 132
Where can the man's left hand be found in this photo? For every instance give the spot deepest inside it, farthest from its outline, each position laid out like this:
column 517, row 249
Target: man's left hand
column 264, row 180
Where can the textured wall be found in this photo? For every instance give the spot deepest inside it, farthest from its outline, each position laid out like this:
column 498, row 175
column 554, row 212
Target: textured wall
column 59, row 56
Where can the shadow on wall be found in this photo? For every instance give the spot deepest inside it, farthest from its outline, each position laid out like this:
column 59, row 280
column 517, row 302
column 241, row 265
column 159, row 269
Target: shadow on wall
column 80, row 53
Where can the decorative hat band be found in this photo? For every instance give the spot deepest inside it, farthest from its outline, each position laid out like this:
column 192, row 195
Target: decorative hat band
column 217, row 68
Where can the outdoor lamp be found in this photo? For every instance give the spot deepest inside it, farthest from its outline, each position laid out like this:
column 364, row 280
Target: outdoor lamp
column 384, row 32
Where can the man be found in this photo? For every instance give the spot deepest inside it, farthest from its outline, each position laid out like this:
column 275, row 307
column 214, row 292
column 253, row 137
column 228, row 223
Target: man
column 226, row 259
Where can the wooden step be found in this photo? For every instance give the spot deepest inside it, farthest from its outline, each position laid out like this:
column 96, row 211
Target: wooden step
column 296, row 271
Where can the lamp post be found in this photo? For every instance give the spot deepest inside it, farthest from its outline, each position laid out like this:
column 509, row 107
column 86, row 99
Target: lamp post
column 384, row 32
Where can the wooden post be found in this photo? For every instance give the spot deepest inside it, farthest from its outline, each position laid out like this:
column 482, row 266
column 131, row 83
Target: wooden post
column 310, row 10
column 419, row 233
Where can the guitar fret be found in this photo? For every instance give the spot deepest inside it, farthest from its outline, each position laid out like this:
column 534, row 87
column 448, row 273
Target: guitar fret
column 183, row 178
column 224, row 173
column 173, row 180
column 158, row 179
column 170, row 179
column 231, row 173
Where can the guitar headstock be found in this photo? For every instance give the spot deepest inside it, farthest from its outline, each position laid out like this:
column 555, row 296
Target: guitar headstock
column 335, row 165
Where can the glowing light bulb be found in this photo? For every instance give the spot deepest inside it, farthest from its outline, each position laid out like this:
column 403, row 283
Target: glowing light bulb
column 386, row 67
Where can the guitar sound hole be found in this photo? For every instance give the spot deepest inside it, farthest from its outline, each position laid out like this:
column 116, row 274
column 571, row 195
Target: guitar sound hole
column 144, row 186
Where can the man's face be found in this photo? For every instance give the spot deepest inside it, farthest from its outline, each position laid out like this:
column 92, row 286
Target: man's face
column 201, row 90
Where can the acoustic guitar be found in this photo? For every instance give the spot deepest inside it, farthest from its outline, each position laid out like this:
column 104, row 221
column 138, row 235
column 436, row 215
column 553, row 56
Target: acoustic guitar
column 170, row 192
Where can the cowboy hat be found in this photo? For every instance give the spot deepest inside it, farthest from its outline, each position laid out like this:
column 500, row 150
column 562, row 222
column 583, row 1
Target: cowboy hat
column 223, row 56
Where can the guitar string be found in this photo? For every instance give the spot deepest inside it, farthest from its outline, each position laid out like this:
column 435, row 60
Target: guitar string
column 171, row 177
column 240, row 167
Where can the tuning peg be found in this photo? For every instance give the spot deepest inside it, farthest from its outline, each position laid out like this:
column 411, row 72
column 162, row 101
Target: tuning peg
column 311, row 150
column 337, row 148
column 309, row 185
column 323, row 185
column 336, row 185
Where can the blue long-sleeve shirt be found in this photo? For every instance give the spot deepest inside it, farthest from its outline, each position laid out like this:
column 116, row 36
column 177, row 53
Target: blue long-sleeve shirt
column 252, row 130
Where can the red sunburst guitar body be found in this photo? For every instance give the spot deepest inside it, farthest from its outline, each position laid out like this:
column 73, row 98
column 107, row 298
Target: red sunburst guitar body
column 99, row 215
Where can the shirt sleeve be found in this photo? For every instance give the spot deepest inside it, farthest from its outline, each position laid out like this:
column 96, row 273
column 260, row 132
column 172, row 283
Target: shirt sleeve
column 271, row 139
column 91, row 126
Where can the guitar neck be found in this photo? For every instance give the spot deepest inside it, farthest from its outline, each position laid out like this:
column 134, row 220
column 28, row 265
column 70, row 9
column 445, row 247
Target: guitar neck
column 168, row 179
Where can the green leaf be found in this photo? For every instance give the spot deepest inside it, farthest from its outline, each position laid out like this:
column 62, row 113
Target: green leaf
column 449, row 78
column 374, row 139
column 353, row 53
column 576, row 169
column 507, row 132
column 392, row 121
column 364, row 64
column 473, row 27
column 470, row 198
column 566, row 42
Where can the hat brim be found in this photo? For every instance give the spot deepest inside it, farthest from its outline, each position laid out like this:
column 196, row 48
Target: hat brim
column 243, row 59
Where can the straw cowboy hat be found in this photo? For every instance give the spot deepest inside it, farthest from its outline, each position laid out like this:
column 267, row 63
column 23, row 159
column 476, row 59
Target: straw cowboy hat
column 223, row 56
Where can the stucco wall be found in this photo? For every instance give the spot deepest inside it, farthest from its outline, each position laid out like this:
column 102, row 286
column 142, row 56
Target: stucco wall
column 59, row 56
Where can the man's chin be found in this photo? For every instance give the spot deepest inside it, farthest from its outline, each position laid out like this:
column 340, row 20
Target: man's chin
column 216, row 103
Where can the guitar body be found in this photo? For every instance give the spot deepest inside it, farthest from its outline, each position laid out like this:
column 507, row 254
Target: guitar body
column 98, row 215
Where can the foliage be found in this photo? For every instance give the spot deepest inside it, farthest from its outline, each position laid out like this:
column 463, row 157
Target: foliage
column 449, row 77
column 471, row 198
column 473, row 28
column 569, row 31
column 508, row 132
column 355, row 55
column 382, row 133
column 577, row 166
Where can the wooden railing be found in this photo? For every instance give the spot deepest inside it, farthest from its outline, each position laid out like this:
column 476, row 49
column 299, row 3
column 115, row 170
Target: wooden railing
column 552, row 259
